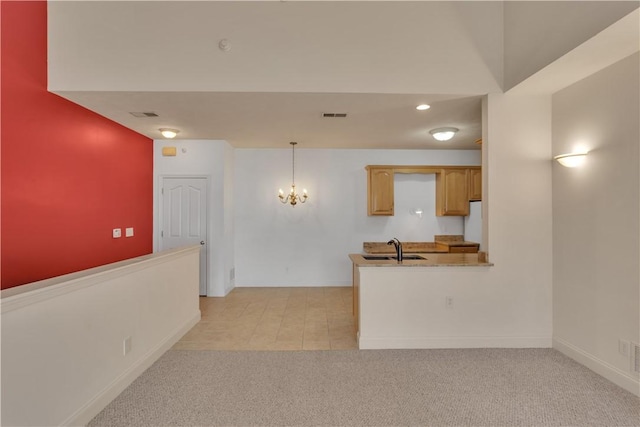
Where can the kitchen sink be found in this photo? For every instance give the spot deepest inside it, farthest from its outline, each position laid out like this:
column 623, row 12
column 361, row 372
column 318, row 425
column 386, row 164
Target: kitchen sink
column 410, row 257
column 385, row 257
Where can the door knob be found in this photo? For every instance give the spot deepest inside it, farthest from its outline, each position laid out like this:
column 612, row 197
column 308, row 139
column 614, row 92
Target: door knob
column 202, row 242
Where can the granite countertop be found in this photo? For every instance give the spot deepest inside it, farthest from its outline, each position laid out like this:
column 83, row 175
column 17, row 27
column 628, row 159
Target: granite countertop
column 457, row 243
column 440, row 244
column 431, row 260
column 409, row 247
column 452, row 240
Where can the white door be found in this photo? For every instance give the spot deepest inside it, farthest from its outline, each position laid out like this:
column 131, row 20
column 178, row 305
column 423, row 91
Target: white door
column 183, row 220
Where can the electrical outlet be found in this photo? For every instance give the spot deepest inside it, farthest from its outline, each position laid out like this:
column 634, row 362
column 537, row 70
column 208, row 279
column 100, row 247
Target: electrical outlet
column 126, row 346
column 117, row 233
column 128, row 232
column 623, row 347
column 448, row 302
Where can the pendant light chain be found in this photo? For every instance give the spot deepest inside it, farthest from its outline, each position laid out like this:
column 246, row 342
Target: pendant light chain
column 293, row 163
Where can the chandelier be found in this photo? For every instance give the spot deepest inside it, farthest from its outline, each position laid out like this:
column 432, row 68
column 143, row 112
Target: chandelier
column 293, row 198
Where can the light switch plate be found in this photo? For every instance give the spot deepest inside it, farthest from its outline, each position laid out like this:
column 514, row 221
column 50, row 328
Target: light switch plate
column 117, row 233
column 128, row 232
column 126, row 346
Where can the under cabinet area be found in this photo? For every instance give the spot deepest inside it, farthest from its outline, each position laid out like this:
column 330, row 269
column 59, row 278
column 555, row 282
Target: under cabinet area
column 455, row 187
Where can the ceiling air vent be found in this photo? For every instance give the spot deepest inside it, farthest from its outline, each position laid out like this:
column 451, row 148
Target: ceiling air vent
column 334, row 114
column 144, row 114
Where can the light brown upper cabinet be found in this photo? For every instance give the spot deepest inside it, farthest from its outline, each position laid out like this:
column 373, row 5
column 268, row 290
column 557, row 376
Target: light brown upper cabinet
column 452, row 192
column 475, row 184
column 379, row 190
column 455, row 187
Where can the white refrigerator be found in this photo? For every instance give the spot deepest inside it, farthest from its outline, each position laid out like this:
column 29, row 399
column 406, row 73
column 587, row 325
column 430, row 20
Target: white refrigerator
column 473, row 223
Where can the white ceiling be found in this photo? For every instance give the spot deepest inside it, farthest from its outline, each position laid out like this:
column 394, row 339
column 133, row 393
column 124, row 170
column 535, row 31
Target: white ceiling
column 292, row 61
column 260, row 120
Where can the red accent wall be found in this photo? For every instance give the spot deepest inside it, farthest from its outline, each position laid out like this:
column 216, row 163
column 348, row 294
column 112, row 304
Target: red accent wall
column 68, row 175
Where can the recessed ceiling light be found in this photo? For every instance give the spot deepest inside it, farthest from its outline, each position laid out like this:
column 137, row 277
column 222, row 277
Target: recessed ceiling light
column 169, row 133
column 423, row 107
column 443, row 134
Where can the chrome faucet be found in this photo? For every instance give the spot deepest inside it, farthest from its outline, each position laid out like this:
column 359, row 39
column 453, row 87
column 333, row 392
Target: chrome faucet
column 398, row 246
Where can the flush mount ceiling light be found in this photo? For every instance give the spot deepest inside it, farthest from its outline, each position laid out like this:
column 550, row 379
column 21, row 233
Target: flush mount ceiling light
column 443, row 134
column 169, row 133
column 293, row 198
column 423, row 107
column 571, row 160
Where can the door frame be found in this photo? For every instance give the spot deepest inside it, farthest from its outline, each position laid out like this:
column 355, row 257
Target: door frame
column 158, row 231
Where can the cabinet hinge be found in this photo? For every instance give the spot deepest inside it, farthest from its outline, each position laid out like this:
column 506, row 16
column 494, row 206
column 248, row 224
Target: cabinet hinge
column 162, row 233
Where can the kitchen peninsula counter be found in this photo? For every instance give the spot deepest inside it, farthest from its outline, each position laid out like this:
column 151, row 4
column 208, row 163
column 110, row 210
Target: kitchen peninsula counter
column 411, row 304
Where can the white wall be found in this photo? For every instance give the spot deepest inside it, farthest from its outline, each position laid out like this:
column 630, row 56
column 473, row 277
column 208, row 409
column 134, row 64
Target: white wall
column 517, row 146
column 418, row 191
column 307, row 245
column 62, row 338
column 536, row 32
column 213, row 159
column 228, row 226
column 595, row 220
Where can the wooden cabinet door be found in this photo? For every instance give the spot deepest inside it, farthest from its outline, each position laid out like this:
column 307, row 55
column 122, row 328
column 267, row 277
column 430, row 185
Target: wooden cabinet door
column 475, row 184
column 453, row 192
column 380, row 191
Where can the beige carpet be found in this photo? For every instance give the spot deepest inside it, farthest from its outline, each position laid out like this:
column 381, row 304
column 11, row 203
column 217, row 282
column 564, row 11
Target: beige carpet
column 474, row 387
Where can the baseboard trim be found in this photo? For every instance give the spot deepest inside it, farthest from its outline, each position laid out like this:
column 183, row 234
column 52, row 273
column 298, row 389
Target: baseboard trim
column 337, row 284
column 93, row 407
column 600, row 367
column 371, row 343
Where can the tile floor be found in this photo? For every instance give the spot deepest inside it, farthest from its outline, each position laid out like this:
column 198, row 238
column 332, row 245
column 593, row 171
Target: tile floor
column 274, row 319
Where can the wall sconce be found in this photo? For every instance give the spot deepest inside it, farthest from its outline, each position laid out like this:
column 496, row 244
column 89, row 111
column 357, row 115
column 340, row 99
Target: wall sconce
column 443, row 134
column 571, row 160
column 417, row 212
column 169, row 133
